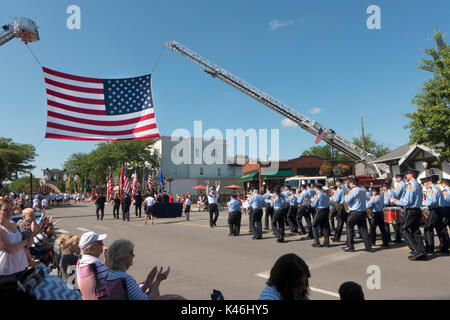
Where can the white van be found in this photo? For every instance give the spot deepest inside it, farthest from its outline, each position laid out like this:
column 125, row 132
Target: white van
column 296, row 181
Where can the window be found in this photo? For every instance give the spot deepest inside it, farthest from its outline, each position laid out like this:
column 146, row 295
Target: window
column 201, row 171
column 219, row 172
column 213, row 153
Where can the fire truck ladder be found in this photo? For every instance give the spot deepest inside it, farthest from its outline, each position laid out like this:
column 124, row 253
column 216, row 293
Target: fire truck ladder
column 303, row 122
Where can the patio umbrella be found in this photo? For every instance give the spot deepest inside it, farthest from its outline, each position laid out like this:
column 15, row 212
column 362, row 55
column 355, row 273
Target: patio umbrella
column 199, row 187
column 233, row 186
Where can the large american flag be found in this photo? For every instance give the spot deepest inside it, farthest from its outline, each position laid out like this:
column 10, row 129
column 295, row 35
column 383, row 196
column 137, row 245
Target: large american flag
column 150, row 181
column 125, row 182
column 320, row 135
column 136, row 185
column 81, row 108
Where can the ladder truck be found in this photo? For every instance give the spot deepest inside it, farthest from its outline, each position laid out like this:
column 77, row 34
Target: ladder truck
column 21, row 28
column 303, row 122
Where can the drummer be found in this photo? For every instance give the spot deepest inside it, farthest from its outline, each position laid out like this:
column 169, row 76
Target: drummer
column 388, row 194
column 376, row 204
column 446, row 193
column 435, row 203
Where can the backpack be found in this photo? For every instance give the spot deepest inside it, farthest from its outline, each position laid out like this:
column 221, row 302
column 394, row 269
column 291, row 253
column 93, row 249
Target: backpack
column 116, row 289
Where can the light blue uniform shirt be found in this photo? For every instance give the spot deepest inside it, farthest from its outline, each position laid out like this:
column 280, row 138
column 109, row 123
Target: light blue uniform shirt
column 320, row 201
column 376, row 203
column 212, row 198
column 311, row 192
column 399, row 192
column 434, row 197
column 338, row 197
column 356, row 199
column 387, row 195
column 278, row 203
column 446, row 196
column 285, row 201
column 267, row 197
column 292, row 200
column 234, row 205
column 257, row 201
column 304, row 198
column 413, row 195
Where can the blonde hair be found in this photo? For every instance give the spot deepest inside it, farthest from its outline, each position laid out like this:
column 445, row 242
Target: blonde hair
column 5, row 201
column 116, row 254
column 69, row 244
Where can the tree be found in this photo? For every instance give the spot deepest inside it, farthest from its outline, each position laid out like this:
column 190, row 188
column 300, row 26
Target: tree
column 430, row 122
column 23, row 185
column 15, row 158
column 324, row 152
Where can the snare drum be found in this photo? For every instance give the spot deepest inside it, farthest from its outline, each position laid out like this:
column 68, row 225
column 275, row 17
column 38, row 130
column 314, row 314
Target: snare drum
column 424, row 215
column 392, row 215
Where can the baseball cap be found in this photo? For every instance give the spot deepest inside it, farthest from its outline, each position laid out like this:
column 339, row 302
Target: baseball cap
column 90, row 237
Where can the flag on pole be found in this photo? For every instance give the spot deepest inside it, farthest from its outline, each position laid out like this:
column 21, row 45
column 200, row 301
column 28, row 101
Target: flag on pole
column 161, row 182
column 121, row 184
column 81, row 108
column 136, row 185
column 126, row 182
column 110, row 186
column 150, row 181
column 320, row 135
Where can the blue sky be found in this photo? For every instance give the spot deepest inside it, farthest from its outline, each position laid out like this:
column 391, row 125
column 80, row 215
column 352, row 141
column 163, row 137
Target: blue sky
column 318, row 57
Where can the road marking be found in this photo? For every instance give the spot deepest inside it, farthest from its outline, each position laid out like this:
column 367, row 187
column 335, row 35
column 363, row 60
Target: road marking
column 83, row 229
column 201, row 225
column 62, row 231
column 266, row 274
column 102, row 228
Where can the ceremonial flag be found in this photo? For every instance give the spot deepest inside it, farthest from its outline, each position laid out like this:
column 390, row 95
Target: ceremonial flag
column 150, row 181
column 81, row 108
column 110, row 186
column 161, row 182
column 126, row 182
column 136, row 185
column 320, row 135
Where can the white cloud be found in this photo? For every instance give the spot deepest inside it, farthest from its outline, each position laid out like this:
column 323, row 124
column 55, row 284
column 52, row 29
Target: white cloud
column 315, row 110
column 275, row 24
column 288, row 123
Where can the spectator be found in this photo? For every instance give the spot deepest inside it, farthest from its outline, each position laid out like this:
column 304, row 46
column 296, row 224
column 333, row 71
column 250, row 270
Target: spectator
column 119, row 259
column 351, row 291
column 70, row 254
column 91, row 272
column 288, row 279
column 28, row 225
column 13, row 260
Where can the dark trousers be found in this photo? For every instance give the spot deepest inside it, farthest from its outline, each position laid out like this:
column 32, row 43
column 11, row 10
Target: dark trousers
column 250, row 226
column 291, row 217
column 304, row 212
column 256, row 222
column 116, row 212
column 285, row 213
column 187, row 211
column 359, row 219
column 213, row 211
column 411, row 230
column 333, row 215
column 126, row 213
column 378, row 221
column 321, row 221
column 342, row 217
column 234, row 222
column 102, row 209
column 138, row 208
column 278, row 224
column 435, row 221
column 269, row 213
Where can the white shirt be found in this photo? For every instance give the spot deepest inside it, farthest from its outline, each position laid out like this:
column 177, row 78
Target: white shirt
column 35, row 202
column 149, row 201
column 44, row 202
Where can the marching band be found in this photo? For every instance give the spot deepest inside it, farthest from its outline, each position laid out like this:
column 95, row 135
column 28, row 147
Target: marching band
column 406, row 208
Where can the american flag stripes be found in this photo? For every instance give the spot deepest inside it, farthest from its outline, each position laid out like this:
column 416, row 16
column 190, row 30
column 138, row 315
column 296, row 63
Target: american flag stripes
column 124, row 186
column 136, row 186
column 150, row 181
column 81, row 108
column 110, row 186
column 320, row 135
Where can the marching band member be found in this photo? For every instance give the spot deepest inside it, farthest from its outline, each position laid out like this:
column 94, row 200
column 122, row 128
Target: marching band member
column 278, row 216
column 412, row 201
column 212, row 201
column 446, row 194
column 390, row 194
column 234, row 215
column 434, row 200
column 341, row 214
column 292, row 211
column 356, row 200
column 321, row 203
column 304, row 211
column 376, row 204
column 269, row 208
column 257, row 202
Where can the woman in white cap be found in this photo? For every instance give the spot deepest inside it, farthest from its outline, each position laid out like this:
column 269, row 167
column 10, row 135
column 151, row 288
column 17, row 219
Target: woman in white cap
column 91, row 272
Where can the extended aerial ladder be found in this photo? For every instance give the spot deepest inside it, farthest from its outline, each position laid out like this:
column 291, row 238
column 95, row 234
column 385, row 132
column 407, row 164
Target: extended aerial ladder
column 303, row 122
column 21, row 28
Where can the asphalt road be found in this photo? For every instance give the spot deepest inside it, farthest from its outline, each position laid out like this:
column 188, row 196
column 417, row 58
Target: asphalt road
column 202, row 259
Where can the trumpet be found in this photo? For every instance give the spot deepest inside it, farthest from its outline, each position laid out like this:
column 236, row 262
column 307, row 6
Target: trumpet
column 346, row 207
column 336, row 205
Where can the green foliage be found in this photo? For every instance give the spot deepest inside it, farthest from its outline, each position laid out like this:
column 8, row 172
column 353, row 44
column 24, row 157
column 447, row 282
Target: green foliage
column 16, row 157
column 61, row 185
column 371, row 146
column 23, row 185
column 430, row 123
column 110, row 156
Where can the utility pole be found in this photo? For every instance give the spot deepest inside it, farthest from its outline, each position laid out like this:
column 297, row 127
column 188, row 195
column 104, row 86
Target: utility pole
column 363, row 143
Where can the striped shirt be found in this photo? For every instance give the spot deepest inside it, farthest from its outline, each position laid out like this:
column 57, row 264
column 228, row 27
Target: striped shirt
column 101, row 271
column 270, row 293
column 134, row 291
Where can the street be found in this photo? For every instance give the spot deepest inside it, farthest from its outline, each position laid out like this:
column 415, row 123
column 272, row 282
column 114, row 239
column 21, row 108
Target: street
column 202, row 259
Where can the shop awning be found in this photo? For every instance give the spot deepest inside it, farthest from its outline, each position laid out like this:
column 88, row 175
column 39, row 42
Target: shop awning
column 249, row 176
column 280, row 174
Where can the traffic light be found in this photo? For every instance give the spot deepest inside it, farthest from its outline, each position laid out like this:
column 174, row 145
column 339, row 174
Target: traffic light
column 47, row 171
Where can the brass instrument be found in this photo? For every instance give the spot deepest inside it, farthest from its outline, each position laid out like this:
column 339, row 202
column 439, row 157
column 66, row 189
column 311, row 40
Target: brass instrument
column 335, row 205
column 346, row 207
column 369, row 213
